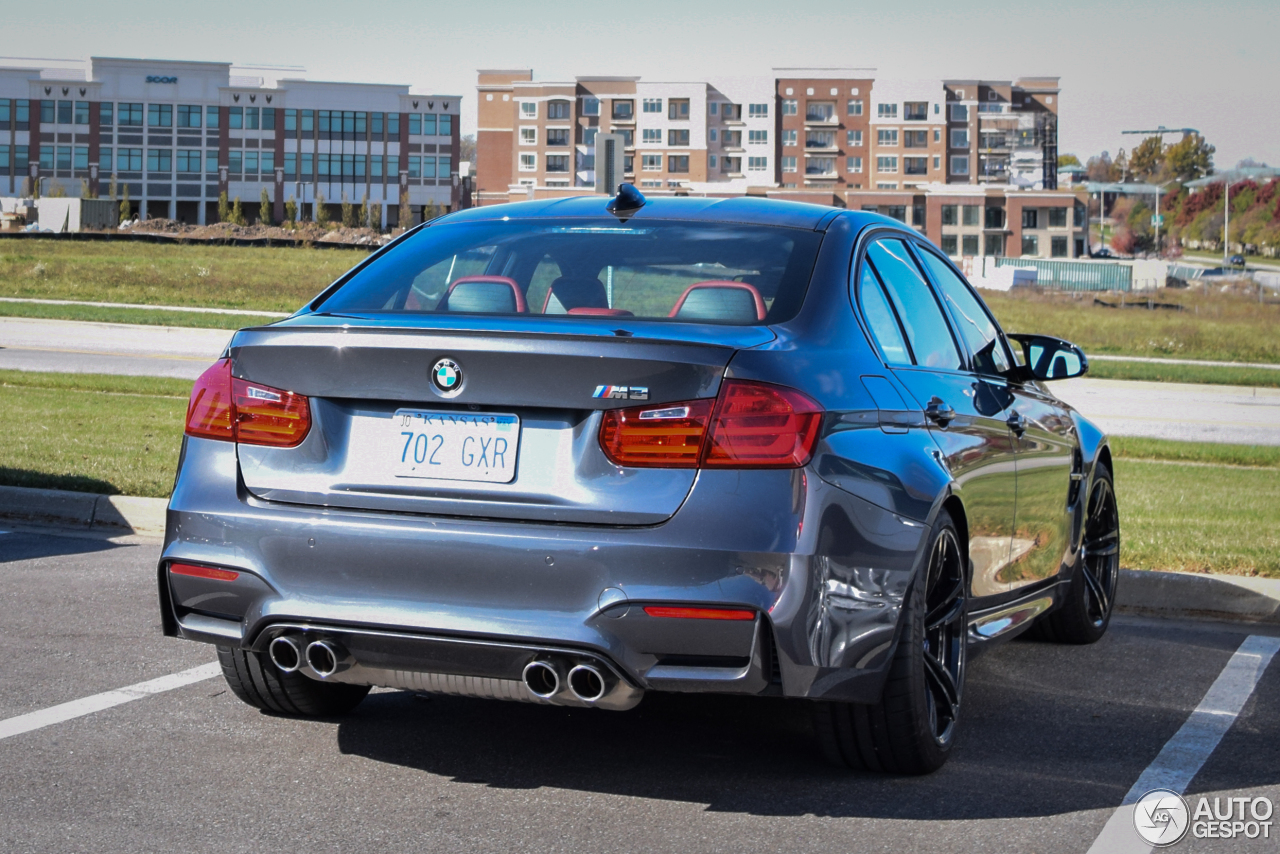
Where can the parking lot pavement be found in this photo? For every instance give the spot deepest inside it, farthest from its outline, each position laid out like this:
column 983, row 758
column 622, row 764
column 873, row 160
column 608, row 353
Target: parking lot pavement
column 1052, row 739
column 1186, row 412
column 108, row 348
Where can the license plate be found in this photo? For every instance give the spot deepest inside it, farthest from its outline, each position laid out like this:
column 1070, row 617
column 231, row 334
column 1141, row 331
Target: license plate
column 455, row 445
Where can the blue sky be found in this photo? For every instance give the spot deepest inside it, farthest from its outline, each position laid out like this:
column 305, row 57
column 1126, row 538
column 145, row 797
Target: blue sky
column 1124, row 65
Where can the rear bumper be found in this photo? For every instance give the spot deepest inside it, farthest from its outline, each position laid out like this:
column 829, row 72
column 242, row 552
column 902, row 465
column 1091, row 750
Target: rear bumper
column 824, row 571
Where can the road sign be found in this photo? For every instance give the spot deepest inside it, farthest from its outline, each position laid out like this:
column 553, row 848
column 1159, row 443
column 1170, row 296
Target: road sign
column 1157, row 220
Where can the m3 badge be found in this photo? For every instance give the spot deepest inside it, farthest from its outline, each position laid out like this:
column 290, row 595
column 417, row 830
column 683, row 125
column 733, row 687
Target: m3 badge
column 622, row 392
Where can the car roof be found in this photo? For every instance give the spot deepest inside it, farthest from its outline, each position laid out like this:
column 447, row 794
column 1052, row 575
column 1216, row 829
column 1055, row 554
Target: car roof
column 753, row 210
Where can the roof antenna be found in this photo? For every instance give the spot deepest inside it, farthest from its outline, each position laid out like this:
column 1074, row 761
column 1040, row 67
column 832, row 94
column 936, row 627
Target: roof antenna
column 626, row 203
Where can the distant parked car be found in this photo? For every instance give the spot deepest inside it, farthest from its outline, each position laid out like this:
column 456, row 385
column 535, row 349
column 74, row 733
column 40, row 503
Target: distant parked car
column 1236, row 261
column 1104, row 252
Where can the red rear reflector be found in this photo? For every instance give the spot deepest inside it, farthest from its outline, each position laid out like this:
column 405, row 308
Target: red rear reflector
column 762, row 426
column 203, row 572
column 699, row 613
column 669, row 435
column 237, row 410
column 749, row 425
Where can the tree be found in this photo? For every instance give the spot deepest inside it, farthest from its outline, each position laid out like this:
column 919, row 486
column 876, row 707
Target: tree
column 125, row 208
column 224, row 207
column 237, row 212
column 1250, row 163
column 467, row 150
column 291, row 211
column 1099, row 168
column 112, row 189
column 1147, row 160
column 57, row 191
column 1190, row 159
column 1063, row 160
column 364, row 211
column 319, row 215
column 348, row 213
column 264, row 208
column 375, row 216
column 404, row 214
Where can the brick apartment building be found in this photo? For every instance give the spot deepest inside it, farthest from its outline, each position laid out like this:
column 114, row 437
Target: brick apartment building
column 972, row 164
column 178, row 134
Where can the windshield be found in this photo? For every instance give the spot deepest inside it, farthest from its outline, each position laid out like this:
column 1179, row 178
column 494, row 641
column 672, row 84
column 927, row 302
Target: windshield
column 691, row 272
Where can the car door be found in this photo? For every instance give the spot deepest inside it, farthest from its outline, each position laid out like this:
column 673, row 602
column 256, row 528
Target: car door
column 1042, row 433
column 965, row 414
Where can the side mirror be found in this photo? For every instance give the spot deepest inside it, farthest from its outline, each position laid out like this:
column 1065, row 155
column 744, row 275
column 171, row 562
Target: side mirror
column 1047, row 358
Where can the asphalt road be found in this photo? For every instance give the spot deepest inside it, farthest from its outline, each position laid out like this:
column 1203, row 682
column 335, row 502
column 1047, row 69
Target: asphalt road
column 1121, row 407
column 1052, row 738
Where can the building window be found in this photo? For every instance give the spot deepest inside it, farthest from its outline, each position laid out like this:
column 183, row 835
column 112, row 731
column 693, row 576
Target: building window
column 959, row 137
column 712, row 161
column 104, row 160
column 251, row 118
column 624, row 110
column 64, row 112
column 789, row 137
column 937, row 162
column 1030, row 219
column 291, row 166
column 757, row 164
column 446, row 125
column 790, row 107
column 887, row 137
column 915, row 165
column 1057, row 217
column 993, row 218
column 589, row 135
column 887, row 111
column 651, row 136
column 251, row 162
column 82, row 113
column 106, row 114
column 557, row 185
column 959, row 164
column 188, row 160
column 937, row 134
column 557, row 163
column 788, row 164
column 915, row 139
column 47, row 111
column 959, row 112
column 628, row 136
column 529, row 109
column 731, row 139
column 651, row 162
column 712, row 134
column 654, row 105
column 731, row 165
column 886, row 186
column 160, row 115
column 235, row 119
column 80, row 159
column 129, row 159
column 650, row 183
column 854, row 108
column 678, row 108
column 678, row 163
column 971, row 214
column 1058, row 246
column 1030, row 245
column 131, row 115
column 415, row 167
column 820, row 166
column 189, row 116
column 970, row 244
column 949, row 214
column 993, row 244
column 235, row 163
column 429, row 124
column 853, row 138
column 853, row 164
column 758, row 111
column 415, row 124
column 915, row 111
column 628, row 164
column 291, row 122
column 731, row 113
column 268, row 163
column 949, row 244
column 528, row 136
column 591, row 106
column 429, row 167
column 886, row 165
column 898, row 212
column 819, row 111
column 211, row 117
column 308, row 166
column 159, row 160
column 558, row 136
column 678, row 137
column 757, row 137
column 444, row 165
column 269, row 119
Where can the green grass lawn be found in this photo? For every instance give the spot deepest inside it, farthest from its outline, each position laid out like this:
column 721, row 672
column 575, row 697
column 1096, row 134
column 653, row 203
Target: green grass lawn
column 1189, row 506
column 1204, row 374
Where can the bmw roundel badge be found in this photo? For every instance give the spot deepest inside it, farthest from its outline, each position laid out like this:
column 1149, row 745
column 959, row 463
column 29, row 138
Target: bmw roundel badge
column 446, row 376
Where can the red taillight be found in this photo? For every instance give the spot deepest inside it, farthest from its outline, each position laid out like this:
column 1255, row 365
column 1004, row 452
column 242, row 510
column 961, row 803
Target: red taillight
column 699, row 613
column 667, row 436
column 208, row 572
column 749, row 425
column 762, row 426
column 231, row 409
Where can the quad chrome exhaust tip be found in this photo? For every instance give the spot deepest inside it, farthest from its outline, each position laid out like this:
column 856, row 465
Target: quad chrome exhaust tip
column 285, row 654
column 542, row 678
column 587, row 683
column 324, row 657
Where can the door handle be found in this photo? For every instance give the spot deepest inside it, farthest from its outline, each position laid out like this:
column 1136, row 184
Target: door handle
column 1017, row 423
column 939, row 412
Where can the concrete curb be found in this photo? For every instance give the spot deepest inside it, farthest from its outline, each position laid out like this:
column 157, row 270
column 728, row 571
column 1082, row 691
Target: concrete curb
column 1185, row 594
column 109, row 514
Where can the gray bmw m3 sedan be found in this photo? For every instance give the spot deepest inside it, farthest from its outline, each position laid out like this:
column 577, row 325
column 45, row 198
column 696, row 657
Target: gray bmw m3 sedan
column 573, row 451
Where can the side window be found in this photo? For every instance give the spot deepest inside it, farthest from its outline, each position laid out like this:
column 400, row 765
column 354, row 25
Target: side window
column 879, row 316
column 921, row 316
column 976, row 326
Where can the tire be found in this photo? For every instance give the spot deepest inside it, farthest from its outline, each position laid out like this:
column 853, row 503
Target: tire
column 1086, row 609
column 255, row 680
column 912, row 729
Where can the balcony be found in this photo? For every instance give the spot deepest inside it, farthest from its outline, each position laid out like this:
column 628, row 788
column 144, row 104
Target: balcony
column 825, row 142
column 821, row 114
column 915, row 112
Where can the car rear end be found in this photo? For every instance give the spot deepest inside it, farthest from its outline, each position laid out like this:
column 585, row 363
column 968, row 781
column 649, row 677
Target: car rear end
column 503, row 459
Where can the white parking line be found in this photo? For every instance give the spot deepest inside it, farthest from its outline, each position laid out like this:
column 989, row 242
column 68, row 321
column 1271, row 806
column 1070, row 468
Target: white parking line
column 107, row 699
column 1185, row 753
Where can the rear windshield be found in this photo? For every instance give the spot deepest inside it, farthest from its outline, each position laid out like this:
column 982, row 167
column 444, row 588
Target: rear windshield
column 691, row 272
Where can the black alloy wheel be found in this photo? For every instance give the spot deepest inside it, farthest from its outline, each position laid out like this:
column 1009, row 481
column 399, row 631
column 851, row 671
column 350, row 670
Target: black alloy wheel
column 912, row 729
